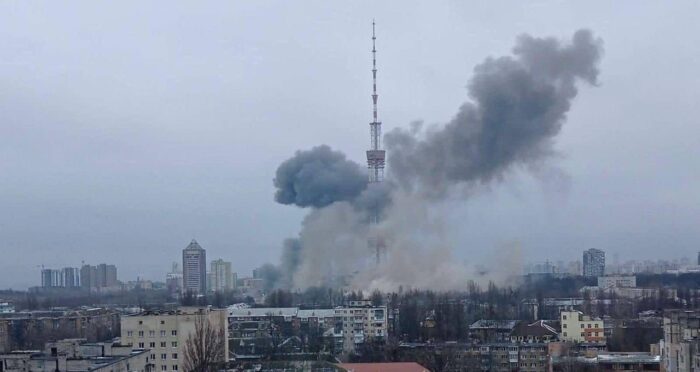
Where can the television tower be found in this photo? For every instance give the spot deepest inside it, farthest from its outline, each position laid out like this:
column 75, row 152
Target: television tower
column 376, row 157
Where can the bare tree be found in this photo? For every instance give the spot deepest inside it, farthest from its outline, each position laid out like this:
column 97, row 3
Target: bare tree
column 205, row 347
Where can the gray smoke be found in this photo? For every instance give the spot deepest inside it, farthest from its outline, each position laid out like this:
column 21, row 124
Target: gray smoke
column 317, row 178
column 289, row 262
column 519, row 105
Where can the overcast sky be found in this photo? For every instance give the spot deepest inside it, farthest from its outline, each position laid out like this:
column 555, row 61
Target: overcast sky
column 129, row 128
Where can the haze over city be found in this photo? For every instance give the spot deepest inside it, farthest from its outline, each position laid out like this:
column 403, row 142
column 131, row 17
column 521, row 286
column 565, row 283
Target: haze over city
column 127, row 132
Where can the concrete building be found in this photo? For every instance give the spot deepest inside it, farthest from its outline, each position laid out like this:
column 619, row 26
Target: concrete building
column 99, row 277
column 680, row 347
column 77, row 355
column 491, row 331
column 342, row 327
column 31, row 330
column 593, row 262
column 617, row 281
column 194, row 268
column 165, row 333
column 221, row 277
column 576, row 327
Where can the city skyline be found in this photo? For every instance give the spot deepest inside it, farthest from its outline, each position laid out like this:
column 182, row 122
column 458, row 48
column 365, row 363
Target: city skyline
column 155, row 137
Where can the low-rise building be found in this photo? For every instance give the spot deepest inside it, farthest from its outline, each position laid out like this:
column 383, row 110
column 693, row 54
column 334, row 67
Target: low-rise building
column 77, row 355
column 254, row 330
column 538, row 332
column 165, row 334
column 488, row 330
column 619, row 281
column 31, row 330
column 576, row 327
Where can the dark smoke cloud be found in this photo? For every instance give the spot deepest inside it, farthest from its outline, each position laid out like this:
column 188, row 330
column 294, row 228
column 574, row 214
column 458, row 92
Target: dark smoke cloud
column 518, row 105
column 317, row 178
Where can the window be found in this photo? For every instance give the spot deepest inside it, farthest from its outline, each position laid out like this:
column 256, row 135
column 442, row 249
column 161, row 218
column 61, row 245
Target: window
column 582, row 325
column 129, row 333
column 162, row 333
column 589, row 325
column 140, row 322
column 153, row 357
column 596, row 334
column 582, row 334
column 141, row 334
column 151, row 333
column 564, row 334
column 174, row 332
column 595, row 325
column 162, row 322
column 163, row 368
column 174, row 367
column 163, row 344
column 163, row 356
column 564, row 325
column 174, row 355
column 152, row 344
column 173, row 344
column 140, row 345
column 563, row 317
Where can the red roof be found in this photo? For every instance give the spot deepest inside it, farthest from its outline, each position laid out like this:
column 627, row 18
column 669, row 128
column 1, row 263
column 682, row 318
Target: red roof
column 383, row 367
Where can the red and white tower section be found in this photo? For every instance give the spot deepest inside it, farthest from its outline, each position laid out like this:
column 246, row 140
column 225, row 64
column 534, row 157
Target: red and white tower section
column 376, row 157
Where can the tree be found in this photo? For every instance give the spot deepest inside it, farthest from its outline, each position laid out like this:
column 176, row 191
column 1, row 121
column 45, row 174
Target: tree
column 205, row 347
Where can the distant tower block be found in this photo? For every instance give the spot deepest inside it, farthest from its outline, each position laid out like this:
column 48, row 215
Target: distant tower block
column 376, row 157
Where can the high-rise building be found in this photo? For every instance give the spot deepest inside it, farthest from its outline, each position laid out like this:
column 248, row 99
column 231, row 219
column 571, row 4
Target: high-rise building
column 194, row 268
column 593, row 262
column 101, row 275
column 86, row 277
column 98, row 276
column 111, row 276
column 71, row 277
column 220, row 274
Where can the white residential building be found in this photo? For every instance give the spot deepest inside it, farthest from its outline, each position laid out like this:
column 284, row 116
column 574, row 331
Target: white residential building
column 165, row 334
column 576, row 327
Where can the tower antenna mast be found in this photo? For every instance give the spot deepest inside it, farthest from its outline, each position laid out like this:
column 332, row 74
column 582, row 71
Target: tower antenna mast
column 376, row 157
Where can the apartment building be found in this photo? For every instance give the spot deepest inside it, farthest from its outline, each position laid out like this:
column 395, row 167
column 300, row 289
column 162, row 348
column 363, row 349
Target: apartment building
column 617, row 281
column 680, row 347
column 344, row 326
column 576, row 327
column 165, row 334
column 32, row 329
column 362, row 322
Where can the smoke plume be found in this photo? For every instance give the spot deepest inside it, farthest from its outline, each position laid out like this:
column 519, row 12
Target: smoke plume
column 317, row 178
column 517, row 106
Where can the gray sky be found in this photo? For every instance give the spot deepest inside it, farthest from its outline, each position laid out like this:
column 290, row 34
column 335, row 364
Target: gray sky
column 128, row 128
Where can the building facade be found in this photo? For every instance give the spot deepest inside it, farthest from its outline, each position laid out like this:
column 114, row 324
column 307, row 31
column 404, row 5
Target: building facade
column 31, row 330
column 576, row 327
column 593, row 262
column 220, row 276
column 165, row 334
column 617, row 281
column 77, row 355
column 194, row 268
column 680, row 347
column 341, row 328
